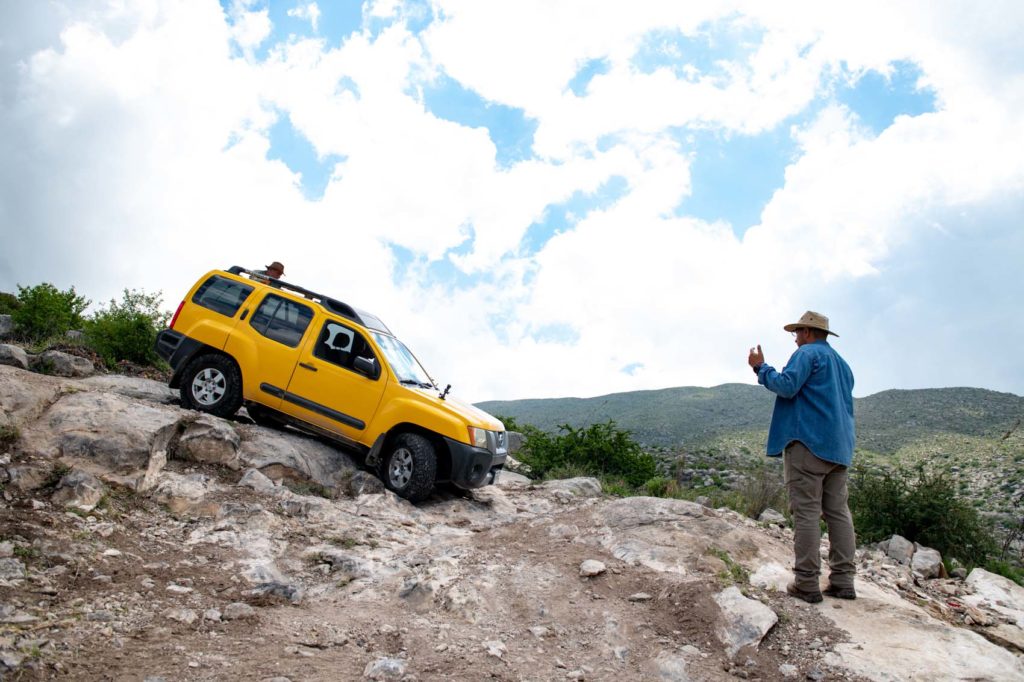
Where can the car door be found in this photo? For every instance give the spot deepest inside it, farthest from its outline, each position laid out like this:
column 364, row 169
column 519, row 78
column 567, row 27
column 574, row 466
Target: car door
column 267, row 347
column 326, row 390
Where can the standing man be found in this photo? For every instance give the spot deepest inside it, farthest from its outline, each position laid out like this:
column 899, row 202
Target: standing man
column 813, row 425
column 274, row 271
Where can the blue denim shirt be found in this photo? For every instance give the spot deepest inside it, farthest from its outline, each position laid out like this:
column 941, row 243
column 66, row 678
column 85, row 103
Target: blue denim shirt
column 814, row 403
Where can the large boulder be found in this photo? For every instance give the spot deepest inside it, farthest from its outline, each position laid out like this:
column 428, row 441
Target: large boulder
column 211, row 440
column 122, row 440
column 25, row 396
column 581, row 486
column 899, row 548
column 62, row 364
column 133, row 387
column 14, row 356
column 927, row 562
column 286, row 456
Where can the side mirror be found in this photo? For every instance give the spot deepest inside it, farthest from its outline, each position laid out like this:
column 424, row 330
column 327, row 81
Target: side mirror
column 366, row 366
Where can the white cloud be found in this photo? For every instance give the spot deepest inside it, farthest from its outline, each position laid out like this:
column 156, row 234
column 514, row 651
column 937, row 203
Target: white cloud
column 310, row 12
column 135, row 142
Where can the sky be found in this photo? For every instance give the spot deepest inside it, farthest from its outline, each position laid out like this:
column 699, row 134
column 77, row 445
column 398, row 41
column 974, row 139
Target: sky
column 542, row 198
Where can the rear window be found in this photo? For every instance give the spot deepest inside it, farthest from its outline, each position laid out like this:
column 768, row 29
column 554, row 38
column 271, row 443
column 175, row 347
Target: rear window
column 222, row 295
column 282, row 320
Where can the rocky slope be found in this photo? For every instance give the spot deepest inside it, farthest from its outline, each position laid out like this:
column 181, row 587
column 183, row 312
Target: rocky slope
column 142, row 541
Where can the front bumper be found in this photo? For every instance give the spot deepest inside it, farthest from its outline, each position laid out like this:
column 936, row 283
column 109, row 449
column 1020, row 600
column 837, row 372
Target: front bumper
column 474, row 467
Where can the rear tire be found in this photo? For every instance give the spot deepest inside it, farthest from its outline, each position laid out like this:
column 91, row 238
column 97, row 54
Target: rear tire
column 410, row 467
column 212, row 383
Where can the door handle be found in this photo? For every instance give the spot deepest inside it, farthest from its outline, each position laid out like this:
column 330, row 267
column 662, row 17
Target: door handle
column 304, row 365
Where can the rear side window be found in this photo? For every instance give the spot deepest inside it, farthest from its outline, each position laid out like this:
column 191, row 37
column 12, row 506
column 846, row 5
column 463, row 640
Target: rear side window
column 222, row 295
column 282, row 320
column 341, row 345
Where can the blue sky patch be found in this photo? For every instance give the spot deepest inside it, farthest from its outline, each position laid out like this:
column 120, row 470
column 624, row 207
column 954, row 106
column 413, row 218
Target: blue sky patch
column 509, row 128
column 559, row 217
column 578, row 84
column 734, row 177
column 632, row 368
column 295, row 151
column 558, row 333
column 692, row 56
column 878, row 100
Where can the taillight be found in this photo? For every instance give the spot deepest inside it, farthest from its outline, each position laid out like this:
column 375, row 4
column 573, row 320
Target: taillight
column 176, row 313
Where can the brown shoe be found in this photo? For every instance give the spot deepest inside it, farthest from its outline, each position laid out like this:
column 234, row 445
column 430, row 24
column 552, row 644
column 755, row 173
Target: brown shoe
column 840, row 592
column 809, row 597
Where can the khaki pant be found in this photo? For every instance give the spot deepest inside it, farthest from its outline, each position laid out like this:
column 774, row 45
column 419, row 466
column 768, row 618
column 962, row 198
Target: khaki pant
column 818, row 488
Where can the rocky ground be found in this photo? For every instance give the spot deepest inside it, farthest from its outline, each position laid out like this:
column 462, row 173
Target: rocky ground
column 140, row 541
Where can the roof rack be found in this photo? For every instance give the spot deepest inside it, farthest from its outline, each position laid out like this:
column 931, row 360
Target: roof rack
column 332, row 304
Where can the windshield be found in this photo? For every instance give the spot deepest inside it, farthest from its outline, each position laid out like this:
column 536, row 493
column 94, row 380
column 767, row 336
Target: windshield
column 402, row 361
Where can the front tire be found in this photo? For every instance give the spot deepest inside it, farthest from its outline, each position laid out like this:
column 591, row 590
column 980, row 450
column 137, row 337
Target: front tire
column 410, row 467
column 212, row 383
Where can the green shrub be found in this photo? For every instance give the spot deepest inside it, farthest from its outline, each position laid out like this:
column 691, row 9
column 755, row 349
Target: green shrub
column 762, row 488
column 598, row 450
column 127, row 330
column 8, row 303
column 45, row 312
column 923, row 507
column 9, row 435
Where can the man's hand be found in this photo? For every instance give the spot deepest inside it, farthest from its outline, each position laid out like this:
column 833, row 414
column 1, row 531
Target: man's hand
column 756, row 357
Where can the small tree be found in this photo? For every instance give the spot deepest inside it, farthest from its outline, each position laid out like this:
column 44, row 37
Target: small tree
column 599, row 449
column 127, row 330
column 8, row 303
column 922, row 506
column 45, row 312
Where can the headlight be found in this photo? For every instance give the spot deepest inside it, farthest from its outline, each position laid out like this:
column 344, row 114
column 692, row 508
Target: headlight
column 478, row 437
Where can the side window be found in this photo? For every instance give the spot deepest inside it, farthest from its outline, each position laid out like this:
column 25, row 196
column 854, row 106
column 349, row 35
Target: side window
column 341, row 345
column 222, row 295
column 282, row 320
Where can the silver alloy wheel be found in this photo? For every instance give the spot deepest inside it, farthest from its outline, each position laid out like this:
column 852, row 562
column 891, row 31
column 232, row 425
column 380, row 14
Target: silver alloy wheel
column 209, row 386
column 400, row 468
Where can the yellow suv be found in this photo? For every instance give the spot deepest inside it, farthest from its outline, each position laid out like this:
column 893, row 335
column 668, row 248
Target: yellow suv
column 292, row 356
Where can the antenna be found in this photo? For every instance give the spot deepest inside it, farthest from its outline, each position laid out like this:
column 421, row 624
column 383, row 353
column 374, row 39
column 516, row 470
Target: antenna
column 445, row 391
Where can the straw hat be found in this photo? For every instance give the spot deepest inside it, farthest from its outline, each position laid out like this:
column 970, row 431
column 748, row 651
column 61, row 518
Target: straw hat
column 813, row 320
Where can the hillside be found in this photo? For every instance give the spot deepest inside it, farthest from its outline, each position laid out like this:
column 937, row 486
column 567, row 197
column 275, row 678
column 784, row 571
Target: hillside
column 689, row 417
column 140, row 540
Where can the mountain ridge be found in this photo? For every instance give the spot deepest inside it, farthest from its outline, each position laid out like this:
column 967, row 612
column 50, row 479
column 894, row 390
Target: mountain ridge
column 692, row 415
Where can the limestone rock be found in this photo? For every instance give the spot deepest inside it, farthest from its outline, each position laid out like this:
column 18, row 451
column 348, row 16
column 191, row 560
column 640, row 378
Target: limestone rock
column 211, row 440
column 254, row 478
column 14, row 356
column 385, row 669
column 290, row 456
column 772, row 516
column 746, row 621
column 900, row 549
column 11, row 569
column 185, row 494
column 591, row 567
column 117, row 438
column 667, row 667
column 507, row 479
column 78, row 489
column 1000, row 594
column 62, row 364
column 581, row 486
column 132, row 387
column 25, row 396
column 927, row 562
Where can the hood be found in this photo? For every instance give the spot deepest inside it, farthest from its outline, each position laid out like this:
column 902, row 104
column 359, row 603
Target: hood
column 473, row 415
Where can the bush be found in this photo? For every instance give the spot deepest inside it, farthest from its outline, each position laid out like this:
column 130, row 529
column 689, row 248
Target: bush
column 762, row 488
column 8, row 303
column 127, row 330
column 45, row 312
column 598, row 450
column 923, row 507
